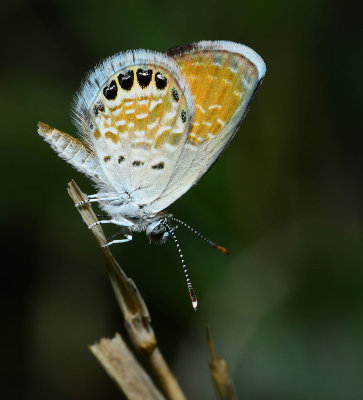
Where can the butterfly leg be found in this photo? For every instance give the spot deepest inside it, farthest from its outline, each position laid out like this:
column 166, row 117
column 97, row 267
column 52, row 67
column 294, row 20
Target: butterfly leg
column 127, row 239
column 127, row 234
column 92, row 199
column 120, row 221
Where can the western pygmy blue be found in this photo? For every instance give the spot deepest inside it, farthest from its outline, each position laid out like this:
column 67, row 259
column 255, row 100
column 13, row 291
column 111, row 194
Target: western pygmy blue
column 152, row 124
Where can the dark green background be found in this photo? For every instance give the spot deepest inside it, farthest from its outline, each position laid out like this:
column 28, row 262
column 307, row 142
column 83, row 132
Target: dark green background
column 285, row 307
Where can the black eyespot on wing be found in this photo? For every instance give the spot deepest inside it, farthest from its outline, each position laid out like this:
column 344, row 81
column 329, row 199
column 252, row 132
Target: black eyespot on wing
column 137, row 163
column 144, row 77
column 160, row 80
column 160, row 165
column 120, row 159
column 126, row 81
column 110, row 91
column 183, row 116
column 175, row 94
column 106, row 158
column 98, row 107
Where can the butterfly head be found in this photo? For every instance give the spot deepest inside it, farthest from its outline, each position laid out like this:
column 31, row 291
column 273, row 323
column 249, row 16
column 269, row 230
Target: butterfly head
column 157, row 231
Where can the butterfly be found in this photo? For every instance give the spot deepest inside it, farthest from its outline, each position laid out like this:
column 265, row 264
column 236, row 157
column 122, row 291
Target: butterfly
column 152, row 124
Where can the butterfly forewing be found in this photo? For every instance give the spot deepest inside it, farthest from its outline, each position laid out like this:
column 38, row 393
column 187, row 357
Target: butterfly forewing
column 222, row 82
column 223, row 78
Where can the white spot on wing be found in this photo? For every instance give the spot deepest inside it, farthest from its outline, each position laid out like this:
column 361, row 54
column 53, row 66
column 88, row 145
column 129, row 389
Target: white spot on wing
column 153, row 125
column 141, row 116
column 200, row 108
column 163, row 129
column 154, row 103
column 117, row 112
column 214, row 106
column 170, row 115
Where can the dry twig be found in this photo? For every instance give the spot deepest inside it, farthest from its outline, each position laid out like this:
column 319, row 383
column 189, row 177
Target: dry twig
column 219, row 370
column 124, row 369
column 113, row 354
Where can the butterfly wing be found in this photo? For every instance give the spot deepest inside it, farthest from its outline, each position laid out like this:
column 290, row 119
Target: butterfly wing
column 223, row 77
column 135, row 110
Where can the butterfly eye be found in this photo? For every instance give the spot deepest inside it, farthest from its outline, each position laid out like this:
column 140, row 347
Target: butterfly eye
column 158, row 233
column 126, row 81
column 144, row 77
column 160, row 81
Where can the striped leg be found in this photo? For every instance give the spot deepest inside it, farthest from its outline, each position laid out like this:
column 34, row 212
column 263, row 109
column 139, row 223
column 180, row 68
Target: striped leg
column 92, row 199
column 127, row 239
column 120, row 222
column 126, row 232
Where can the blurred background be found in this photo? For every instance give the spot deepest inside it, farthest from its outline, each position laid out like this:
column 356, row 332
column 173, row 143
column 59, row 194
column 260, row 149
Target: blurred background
column 285, row 307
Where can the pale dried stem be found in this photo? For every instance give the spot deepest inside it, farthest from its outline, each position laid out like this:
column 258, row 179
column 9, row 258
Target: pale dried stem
column 220, row 375
column 113, row 354
column 124, row 369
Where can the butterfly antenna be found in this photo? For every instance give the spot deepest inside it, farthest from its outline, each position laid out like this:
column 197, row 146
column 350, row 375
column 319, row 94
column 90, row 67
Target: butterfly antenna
column 193, row 296
column 215, row 245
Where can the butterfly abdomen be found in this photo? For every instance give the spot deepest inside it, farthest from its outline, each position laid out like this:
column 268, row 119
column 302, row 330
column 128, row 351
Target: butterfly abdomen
column 72, row 150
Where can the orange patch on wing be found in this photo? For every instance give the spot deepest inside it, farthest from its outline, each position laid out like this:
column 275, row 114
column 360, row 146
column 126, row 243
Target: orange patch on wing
column 115, row 137
column 145, row 121
column 159, row 142
column 155, row 116
column 216, row 79
column 175, row 138
column 115, row 108
column 141, row 116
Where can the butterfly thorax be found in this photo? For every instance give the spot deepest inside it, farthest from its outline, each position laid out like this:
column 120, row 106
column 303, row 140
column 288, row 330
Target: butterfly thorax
column 125, row 209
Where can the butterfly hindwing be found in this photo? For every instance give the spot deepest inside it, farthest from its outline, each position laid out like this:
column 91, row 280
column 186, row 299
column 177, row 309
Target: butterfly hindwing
column 223, row 77
column 137, row 119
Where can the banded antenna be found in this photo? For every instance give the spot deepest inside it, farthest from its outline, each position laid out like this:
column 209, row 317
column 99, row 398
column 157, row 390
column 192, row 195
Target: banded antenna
column 193, row 296
column 215, row 245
